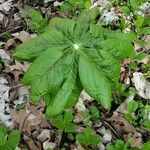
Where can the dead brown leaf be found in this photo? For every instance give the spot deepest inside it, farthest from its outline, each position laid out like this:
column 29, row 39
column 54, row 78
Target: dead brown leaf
column 9, row 44
column 17, row 69
column 30, row 119
column 23, row 36
column 125, row 129
column 33, row 145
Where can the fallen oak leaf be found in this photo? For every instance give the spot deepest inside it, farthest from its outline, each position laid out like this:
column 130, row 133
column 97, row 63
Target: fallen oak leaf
column 17, row 69
column 33, row 145
column 30, row 118
column 23, row 36
column 10, row 44
column 124, row 128
column 17, row 66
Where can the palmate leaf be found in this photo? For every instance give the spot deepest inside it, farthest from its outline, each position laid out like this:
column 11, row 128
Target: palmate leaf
column 72, row 56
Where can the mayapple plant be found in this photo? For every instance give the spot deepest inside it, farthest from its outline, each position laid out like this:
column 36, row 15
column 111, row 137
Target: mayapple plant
column 72, row 55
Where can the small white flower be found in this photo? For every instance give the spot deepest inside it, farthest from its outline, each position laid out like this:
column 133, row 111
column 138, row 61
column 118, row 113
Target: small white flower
column 145, row 8
column 109, row 16
column 46, row 1
column 56, row 3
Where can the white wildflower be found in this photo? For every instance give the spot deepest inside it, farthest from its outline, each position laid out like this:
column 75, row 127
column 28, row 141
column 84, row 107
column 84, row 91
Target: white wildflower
column 145, row 8
column 109, row 17
column 56, row 3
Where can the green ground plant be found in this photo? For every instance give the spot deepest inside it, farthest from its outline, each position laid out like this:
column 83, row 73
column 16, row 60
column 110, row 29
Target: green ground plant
column 64, row 122
column 88, row 137
column 73, row 55
column 8, row 141
column 121, row 145
column 138, row 114
column 75, row 7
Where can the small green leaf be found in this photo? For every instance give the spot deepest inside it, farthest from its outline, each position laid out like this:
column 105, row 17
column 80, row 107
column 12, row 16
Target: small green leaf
column 37, row 23
column 119, row 145
column 88, row 137
column 8, row 142
column 87, row 4
column 13, row 140
column 89, row 16
column 146, row 146
column 132, row 106
column 139, row 22
column 141, row 56
column 134, row 4
column 145, row 31
column 64, row 122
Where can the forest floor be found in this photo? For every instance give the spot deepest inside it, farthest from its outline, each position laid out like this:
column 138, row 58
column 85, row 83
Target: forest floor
column 129, row 117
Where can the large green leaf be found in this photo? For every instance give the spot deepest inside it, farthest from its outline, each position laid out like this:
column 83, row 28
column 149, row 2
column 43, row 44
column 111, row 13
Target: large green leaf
column 70, row 56
column 118, row 48
column 68, row 96
column 94, row 81
column 105, row 62
column 32, row 48
column 50, row 74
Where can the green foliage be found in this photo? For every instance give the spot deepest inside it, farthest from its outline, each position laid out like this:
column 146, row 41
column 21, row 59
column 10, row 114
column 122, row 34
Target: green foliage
column 37, row 23
column 88, row 137
column 131, row 108
column 118, row 93
column 34, row 20
column 121, row 145
column 141, row 22
column 64, row 122
column 91, row 116
column 86, row 118
column 89, row 16
column 9, row 142
column 70, row 56
column 135, row 3
column 142, row 25
column 75, row 7
column 138, row 114
column 95, row 115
